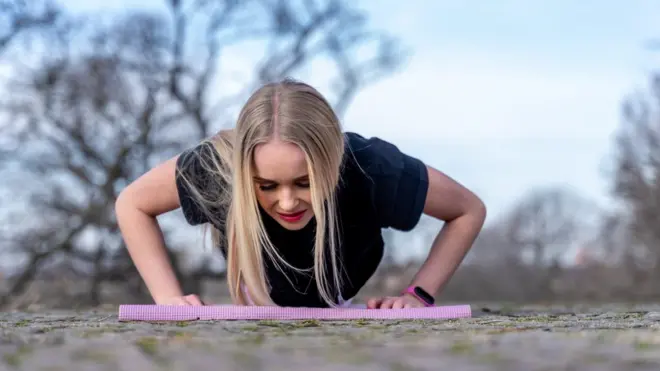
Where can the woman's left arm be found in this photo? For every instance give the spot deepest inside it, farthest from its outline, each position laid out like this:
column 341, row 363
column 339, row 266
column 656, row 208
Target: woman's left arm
column 464, row 214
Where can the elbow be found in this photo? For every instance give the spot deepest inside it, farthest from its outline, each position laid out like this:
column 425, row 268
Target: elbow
column 122, row 203
column 126, row 202
column 477, row 210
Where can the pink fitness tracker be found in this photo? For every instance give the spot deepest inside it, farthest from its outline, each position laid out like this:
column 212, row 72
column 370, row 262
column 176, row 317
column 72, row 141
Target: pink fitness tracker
column 421, row 295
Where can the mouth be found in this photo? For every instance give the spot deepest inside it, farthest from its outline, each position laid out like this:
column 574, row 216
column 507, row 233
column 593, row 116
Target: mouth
column 294, row 217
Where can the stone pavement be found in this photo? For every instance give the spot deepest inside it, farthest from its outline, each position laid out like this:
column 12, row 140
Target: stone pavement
column 603, row 338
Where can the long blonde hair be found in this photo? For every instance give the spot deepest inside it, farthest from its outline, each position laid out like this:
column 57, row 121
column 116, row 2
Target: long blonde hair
column 297, row 113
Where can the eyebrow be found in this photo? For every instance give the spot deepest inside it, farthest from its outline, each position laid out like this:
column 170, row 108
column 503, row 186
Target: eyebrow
column 262, row 180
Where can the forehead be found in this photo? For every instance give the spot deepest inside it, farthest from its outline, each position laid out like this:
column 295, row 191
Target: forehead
column 279, row 161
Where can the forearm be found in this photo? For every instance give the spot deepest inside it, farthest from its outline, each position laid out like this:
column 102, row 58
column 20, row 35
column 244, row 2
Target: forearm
column 146, row 246
column 447, row 252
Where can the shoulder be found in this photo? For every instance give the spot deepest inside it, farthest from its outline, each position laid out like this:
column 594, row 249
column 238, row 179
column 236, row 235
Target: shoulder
column 214, row 151
column 397, row 182
column 206, row 162
column 378, row 157
column 367, row 150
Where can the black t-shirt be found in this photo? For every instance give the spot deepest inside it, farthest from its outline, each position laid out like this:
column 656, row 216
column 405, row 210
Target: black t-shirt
column 380, row 187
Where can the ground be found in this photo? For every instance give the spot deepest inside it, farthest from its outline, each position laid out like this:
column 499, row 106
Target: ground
column 497, row 338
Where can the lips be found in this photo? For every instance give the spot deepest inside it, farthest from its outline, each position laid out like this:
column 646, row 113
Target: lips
column 292, row 217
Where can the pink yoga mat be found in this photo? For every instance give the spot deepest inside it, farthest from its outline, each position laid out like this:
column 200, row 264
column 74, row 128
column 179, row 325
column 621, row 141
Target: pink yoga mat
column 236, row 312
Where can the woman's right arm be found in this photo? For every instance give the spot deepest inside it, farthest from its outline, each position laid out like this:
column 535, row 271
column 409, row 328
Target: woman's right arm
column 137, row 206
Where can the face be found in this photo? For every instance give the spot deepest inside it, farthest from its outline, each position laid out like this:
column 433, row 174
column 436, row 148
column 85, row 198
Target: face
column 282, row 183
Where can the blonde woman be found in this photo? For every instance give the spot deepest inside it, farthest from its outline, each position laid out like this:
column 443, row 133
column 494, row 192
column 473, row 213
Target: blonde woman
column 297, row 208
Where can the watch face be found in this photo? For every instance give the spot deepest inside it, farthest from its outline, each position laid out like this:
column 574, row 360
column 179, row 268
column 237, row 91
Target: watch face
column 424, row 295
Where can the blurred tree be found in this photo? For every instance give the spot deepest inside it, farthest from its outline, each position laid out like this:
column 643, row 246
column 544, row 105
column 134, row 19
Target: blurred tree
column 104, row 99
column 526, row 245
column 636, row 176
column 549, row 221
column 20, row 19
column 494, row 247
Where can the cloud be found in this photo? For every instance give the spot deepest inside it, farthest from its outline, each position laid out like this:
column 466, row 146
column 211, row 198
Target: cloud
column 478, row 96
column 498, row 123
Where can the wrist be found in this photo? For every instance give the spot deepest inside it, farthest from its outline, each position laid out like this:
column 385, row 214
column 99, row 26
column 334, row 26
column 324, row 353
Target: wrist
column 419, row 294
column 162, row 297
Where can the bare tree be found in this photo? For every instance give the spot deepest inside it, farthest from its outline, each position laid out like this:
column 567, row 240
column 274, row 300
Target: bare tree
column 493, row 247
column 19, row 17
column 518, row 255
column 636, row 171
column 111, row 97
column 548, row 221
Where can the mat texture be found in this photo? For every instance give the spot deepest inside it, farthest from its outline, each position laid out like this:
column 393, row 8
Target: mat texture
column 142, row 312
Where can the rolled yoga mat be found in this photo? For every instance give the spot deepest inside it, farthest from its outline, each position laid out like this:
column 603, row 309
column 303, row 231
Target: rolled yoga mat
column 141, row 312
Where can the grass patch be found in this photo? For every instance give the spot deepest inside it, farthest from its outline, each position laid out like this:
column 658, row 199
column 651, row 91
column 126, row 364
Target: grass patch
column 148, row 345
column 462, row 347
column 15, row 359
column 93, row 355
column 640, row 345
column 253, row 339
column 506, row 330
column 250, row 327
column 22, row 323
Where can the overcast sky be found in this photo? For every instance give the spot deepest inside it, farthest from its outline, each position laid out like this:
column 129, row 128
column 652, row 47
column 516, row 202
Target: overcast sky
column 509, row 95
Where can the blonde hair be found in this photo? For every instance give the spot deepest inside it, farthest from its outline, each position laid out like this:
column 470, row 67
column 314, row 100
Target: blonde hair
column 296, row 113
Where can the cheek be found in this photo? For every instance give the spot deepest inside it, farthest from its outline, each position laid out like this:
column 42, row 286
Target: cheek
column 305, row 196
column 265, row 199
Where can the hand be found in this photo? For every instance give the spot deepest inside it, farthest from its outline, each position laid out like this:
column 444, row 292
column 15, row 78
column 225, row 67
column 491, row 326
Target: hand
column 181, row 300
column 394, row 302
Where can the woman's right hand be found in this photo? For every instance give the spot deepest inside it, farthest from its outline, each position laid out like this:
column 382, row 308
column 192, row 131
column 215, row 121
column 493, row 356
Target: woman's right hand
column 137, row 209
column 181, row 300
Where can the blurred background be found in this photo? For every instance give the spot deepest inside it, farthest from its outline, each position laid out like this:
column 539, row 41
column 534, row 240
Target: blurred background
column 548, row 110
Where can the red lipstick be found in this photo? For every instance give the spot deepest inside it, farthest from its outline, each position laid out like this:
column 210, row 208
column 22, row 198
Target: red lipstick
column 292, row 218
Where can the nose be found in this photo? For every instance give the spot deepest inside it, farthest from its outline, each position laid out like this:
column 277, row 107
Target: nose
column 288, row 200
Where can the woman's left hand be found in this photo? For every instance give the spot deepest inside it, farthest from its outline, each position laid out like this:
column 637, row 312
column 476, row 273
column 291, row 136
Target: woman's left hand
column 394, row 302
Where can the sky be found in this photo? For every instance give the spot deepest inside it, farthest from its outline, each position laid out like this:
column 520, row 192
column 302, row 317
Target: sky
column 509, row 95
column 515, row 95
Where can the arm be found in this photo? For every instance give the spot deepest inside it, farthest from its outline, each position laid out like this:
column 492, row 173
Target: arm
column 464, row 215
column 402, row 189
column 137, row 207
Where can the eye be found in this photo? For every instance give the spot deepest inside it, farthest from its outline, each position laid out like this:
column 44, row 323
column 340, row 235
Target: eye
column 303, row 184
column 267, row 187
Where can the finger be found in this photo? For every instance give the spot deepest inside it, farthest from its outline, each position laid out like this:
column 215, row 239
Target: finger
column 178, row 301
column 408, row 305
column 387, row 303
column 193, row 300
column 398, row 304
column 374, row 303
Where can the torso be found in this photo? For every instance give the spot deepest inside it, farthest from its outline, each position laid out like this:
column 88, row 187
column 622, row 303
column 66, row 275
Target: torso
column 361, row 246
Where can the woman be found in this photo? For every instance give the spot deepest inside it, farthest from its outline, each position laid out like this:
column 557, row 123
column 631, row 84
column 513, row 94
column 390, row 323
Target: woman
column 297, row 207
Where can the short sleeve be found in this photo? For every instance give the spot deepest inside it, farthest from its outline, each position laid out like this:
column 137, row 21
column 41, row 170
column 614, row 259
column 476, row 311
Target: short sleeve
column 196, row 182
column 397, row 182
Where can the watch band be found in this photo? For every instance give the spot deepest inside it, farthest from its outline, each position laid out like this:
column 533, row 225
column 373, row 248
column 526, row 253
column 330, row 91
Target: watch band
column 421, row 295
